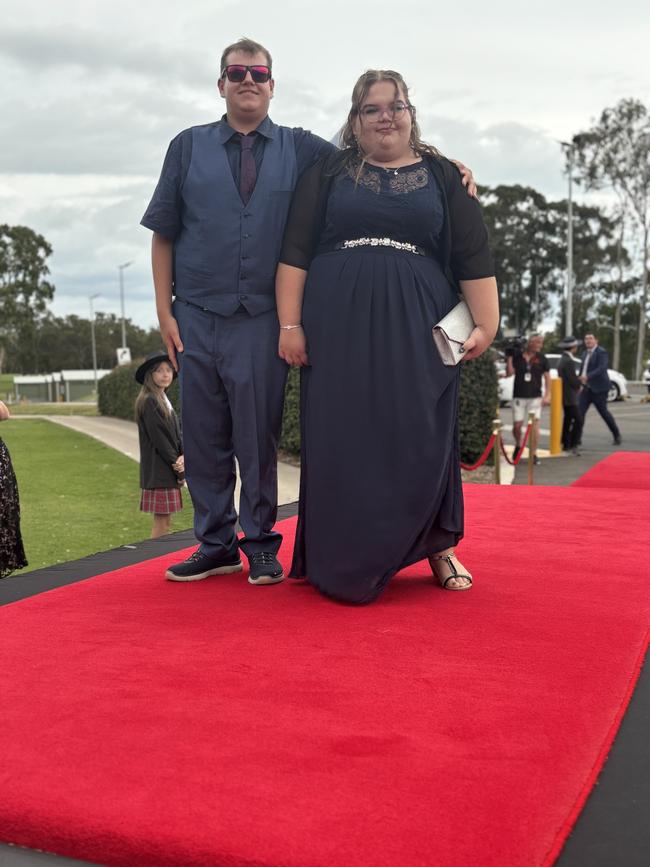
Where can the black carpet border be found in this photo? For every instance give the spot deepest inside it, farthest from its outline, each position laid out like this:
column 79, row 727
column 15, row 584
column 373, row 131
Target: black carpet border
column 613, row 828
column 22, row 586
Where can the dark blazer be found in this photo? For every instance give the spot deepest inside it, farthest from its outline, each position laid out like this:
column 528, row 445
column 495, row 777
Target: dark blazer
column 571, row 385
column 160, row 446
column 597, row 378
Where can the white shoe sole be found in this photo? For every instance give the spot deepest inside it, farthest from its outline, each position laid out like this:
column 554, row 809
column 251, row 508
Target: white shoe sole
column 222, row 570
column 266, row 579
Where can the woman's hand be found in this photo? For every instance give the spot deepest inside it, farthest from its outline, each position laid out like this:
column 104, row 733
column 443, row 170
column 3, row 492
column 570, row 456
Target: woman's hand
column 476, row 344
column 293, row 347
column 179, row 465
column 4, row 412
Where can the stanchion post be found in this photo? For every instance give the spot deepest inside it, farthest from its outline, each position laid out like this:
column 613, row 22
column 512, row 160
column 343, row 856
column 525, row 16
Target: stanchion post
column 496, row 430
column 556, row 416
column 532, row 446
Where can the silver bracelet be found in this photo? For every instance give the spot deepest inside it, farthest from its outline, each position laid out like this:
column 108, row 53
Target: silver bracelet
column 289, row 327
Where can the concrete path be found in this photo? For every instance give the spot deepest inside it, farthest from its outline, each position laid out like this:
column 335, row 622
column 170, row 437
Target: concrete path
column 114, row 432
column 123, row 436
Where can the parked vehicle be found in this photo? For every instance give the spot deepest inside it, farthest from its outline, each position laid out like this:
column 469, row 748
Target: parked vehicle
column 617, row 391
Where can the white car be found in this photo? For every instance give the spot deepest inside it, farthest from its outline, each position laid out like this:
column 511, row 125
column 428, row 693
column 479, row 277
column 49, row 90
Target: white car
column 617, row 391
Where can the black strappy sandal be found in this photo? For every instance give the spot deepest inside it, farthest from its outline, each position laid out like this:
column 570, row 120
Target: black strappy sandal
column 453, row 572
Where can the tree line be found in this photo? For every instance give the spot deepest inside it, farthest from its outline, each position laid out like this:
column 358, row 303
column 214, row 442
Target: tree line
column 528, row 236
column 610, row 244
column 32, row 339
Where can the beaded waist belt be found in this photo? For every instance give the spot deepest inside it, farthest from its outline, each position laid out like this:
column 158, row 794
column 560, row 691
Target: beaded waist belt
column 381, row 242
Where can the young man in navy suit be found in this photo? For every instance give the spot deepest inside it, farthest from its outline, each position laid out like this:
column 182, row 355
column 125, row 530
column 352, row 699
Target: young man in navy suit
column 596, row 384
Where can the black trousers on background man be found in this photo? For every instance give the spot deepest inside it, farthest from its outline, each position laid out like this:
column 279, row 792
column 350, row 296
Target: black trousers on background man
column 599, row 400
column 571, row 427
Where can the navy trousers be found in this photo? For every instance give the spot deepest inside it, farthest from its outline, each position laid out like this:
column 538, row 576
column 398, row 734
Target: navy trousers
column 571, row 427
column 599, row 400
column 232, row 394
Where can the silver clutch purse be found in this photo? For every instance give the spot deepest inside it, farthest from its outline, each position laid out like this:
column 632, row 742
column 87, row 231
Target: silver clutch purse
column 452, row 331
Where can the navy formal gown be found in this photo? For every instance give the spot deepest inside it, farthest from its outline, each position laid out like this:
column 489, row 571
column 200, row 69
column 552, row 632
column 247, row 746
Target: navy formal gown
column 380, row 472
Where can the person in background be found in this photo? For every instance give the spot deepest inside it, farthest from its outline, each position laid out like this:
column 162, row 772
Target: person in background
column 218, row 215
column 162, row 467
column 530, row 367
column 646, row 378
column 593, row 376
column 12, row 551
column 571, row 385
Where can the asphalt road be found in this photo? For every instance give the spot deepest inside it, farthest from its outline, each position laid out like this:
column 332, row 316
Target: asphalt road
column 633, row 419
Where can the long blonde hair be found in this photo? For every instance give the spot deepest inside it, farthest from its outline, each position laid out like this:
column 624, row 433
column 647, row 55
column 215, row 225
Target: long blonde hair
column 351, row 153
column 149, row 387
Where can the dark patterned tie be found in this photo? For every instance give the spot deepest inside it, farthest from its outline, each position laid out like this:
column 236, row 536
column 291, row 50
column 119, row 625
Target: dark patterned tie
column 248, row 170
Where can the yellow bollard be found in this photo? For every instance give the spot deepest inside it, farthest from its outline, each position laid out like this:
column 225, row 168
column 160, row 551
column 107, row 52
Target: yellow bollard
column 496, row 450
column 556, row 416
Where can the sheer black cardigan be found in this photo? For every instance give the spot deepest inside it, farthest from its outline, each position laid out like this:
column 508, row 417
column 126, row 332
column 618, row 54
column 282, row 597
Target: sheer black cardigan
column 464, row 251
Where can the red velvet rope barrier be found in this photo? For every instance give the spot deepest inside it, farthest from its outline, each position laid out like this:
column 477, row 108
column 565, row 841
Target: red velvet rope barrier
column 488, row 449
column 521, row 450
column 484, row 456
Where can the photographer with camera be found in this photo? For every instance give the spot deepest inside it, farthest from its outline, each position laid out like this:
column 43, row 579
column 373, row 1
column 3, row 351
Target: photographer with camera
column 529, row 366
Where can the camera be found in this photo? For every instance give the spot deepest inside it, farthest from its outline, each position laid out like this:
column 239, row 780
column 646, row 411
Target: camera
column 512, row 346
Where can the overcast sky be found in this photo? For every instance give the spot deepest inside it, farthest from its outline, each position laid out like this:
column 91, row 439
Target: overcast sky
column 93, row 90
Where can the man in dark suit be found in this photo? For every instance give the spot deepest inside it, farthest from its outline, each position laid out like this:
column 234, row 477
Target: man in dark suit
column 593, row 375
column 571, row 385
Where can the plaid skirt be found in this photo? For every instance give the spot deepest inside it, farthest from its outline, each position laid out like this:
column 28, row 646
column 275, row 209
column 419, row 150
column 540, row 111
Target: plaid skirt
column 162, row 501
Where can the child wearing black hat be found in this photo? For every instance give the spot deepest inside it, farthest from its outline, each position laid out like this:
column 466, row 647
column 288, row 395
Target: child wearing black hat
column 162, row 467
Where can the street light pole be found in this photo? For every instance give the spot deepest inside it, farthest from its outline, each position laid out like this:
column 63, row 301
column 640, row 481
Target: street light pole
column 91, row 298
column 121, row 268
column 569, row 241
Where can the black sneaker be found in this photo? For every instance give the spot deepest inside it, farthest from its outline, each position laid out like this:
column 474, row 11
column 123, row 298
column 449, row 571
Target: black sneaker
column 264, row 569
column 617, row 440
column 199, row 566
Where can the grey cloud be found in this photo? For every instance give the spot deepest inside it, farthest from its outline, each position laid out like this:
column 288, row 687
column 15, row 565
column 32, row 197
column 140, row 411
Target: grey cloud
column 504, row 153
column 98, row 131
column 39, row 51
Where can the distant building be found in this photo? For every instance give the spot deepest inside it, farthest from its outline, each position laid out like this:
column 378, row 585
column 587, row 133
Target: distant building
column 66, row 385
column 36, row 389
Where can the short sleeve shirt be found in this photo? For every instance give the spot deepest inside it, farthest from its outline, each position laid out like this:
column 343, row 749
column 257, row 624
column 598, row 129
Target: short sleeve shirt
column 528, row 375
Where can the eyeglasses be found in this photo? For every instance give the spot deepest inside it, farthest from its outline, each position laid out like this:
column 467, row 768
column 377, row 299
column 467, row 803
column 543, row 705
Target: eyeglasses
column 374, row 112
column 237, row 72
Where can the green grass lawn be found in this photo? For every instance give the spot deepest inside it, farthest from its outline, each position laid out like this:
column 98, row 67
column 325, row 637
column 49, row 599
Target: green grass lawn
column 53, row 409
column 77, row 495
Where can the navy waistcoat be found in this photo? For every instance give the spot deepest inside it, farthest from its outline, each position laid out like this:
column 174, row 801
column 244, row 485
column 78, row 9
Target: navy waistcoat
column 227, row 252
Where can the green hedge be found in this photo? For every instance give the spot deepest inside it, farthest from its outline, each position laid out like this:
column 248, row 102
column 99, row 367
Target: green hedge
column 117, row 391
column 478, row 402
column 290, row 437
column 479, row 399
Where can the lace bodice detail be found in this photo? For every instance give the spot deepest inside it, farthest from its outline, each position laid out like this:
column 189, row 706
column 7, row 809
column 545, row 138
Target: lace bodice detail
column 390, row 181
column 404, row 204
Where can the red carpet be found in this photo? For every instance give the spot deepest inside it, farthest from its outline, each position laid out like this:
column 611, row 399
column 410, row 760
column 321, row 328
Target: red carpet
column 151, row 723
column 621, row 470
